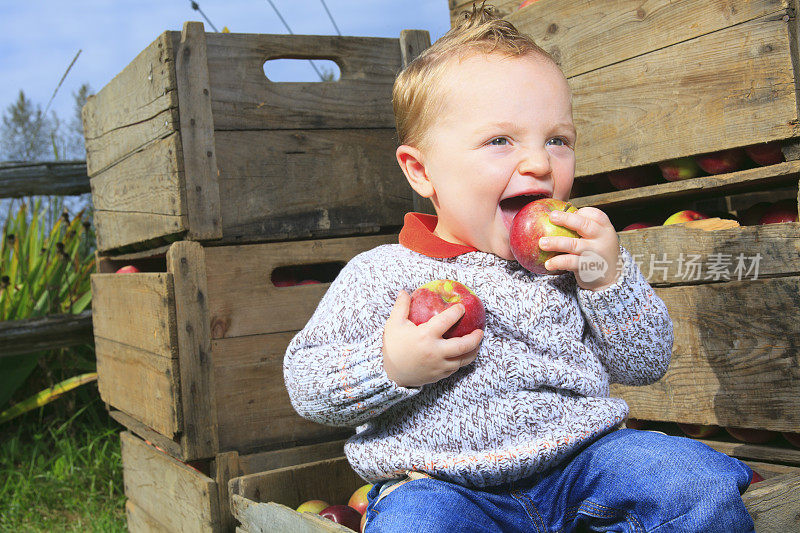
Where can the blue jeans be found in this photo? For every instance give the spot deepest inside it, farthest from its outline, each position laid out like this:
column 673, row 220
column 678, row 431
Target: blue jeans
column 627, row 480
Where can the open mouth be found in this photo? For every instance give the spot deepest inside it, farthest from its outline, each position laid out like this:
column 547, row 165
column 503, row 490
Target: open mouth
column 511, row 206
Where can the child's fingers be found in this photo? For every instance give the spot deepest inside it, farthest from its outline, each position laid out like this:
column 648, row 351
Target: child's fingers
column 439, row 324
column 399, row 311
column 457, row 347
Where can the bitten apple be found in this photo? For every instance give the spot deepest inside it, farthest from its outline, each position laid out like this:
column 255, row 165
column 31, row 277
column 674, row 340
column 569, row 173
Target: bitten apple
column 531, row 224
column 313, row 506
column 682, row 168
column 436, row 296
column 780, row 211
column 687, row 215
column 358, row 500
column 344, row 515
column 765, row 153
column 722, row 161
column 127, row 269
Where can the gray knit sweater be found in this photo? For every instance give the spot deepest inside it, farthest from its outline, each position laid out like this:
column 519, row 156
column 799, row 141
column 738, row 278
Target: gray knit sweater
column 538, row 390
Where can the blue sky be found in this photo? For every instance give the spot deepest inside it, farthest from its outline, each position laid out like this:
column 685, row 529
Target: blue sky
column 39, row 38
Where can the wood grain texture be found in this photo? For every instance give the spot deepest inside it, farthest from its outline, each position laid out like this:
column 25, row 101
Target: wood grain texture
column 138, row 428
column 149, row 181
column 584, row 35
column 503, row 8
column 45, row 333
column 186, row 262
column 774, row 504
column 698, row 93
column 225, row 467
column 269, row 517
column 292, row 184
column 243, row 301
column 139, row 521
column 18, row 179
column 173, row 493
column 270, row 460
column 140, row 383
column 115, row 229
column 254, row 411
column 682, row 254
column 244, row 99
column 757, row 452
column 735, row 358
column 201, row 189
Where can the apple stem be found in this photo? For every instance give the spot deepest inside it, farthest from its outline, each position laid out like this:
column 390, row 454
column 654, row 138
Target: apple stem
column 567, row 206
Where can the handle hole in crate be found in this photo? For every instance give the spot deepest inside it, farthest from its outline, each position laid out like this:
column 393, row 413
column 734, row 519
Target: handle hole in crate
column 287, row 276
column 301, row 70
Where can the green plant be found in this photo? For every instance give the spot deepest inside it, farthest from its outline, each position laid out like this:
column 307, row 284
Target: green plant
column 45, row 268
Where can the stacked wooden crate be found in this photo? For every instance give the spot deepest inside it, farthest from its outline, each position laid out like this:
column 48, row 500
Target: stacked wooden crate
column 664, row 80
column 238, row 200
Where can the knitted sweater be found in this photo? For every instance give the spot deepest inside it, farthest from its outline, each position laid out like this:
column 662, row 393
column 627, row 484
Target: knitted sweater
column 537, row 391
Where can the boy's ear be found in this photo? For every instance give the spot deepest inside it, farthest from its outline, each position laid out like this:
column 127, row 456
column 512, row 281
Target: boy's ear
column 411, row 161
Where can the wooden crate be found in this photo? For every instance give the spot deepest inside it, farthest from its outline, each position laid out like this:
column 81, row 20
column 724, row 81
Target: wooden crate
column 165, row 494
column 192, row 141
column 266, row 501
column 190, row 350
column 670, row 79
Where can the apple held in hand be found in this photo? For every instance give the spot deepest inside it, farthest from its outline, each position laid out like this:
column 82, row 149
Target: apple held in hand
column 358, row 500
column 682, row 168
column 313, row 506
column 531, row 224
column 343, row 514
column 687, row 215
column 436, row 296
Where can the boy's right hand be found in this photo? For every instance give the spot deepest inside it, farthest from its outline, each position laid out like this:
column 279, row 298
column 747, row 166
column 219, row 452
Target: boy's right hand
column 417, row 355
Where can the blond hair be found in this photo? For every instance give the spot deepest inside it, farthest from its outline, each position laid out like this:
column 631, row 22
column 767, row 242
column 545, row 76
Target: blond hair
column 418, row 94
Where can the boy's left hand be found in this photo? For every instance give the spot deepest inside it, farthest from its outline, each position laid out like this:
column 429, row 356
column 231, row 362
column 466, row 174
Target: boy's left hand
column 598, row 238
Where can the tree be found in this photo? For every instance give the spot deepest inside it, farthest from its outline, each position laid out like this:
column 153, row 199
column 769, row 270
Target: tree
column 27, row 133
column 75, row 145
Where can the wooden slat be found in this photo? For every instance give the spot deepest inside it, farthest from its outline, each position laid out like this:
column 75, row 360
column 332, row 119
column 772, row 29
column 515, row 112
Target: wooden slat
column 281, row 185
column 139, row 521
column 149, row 181
column 757, row 452
column 735, row 360
column 663, row 253
column 225, row 467
column 254, row 411
column 586, row 35
column 293, row 485
column 268, row 517
column 45, row 333
column 698, row 93
column 243, row 301
column 263, row 461
column 243, row 98
column 201, row 190
column 173, row 493
column 503, row 8
column 18, row 179
column 115, row 229
column 750, row 179
column 185, row 260
column 140, row 383
column 137, row 310
column 774, row 504
column 138, row 428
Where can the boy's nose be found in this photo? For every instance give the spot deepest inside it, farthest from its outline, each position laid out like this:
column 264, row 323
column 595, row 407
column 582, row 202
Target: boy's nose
column 536, row 162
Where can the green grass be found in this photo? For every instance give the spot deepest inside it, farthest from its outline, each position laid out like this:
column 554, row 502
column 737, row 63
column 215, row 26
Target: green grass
column 60, row 468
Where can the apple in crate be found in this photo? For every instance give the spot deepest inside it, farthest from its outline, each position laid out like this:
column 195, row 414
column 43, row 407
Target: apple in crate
column 687, row 215
column 530, row 224
column 793, row 438
column 699, row 431
column 637, row 225
column 436, row 296
column 752, row 215
column 358, row 500
column 344, row 515
column 765, row 153
column 127, row 269
column 313, row 506
column 682, row 168
column 751, row 436
column 780, row 211
column 629, row 178
column 721, row 162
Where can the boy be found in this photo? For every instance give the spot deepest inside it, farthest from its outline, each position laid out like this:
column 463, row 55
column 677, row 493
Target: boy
column 510, row 428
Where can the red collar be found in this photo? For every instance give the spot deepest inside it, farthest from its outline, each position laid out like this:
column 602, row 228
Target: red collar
column 417, row 235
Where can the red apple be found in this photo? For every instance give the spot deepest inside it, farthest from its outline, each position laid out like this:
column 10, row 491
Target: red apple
column 127, row 269
column 309, row 282
column 680, row 217
column 752, row 436
column 756, row 478
column 436, row 296
column 313, row 506
column 780, row 211
column 531, row 223
column 635, row 423
column 793, row 438
column 628, row 178
column 283, row 277
column 721, row 162
column 344, row 515
column 358, row 500
column 765, row 154
column 363, row 522
column 752, row 215
column 682, row 168
column 526, row 3
column 699, row 431
column 637, row 225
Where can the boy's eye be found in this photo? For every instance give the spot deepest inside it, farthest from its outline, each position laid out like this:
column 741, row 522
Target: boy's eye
column 499, row 141
column 563, row 141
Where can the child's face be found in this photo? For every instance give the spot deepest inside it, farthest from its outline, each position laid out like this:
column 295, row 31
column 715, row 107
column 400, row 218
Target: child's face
column 506, row 130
